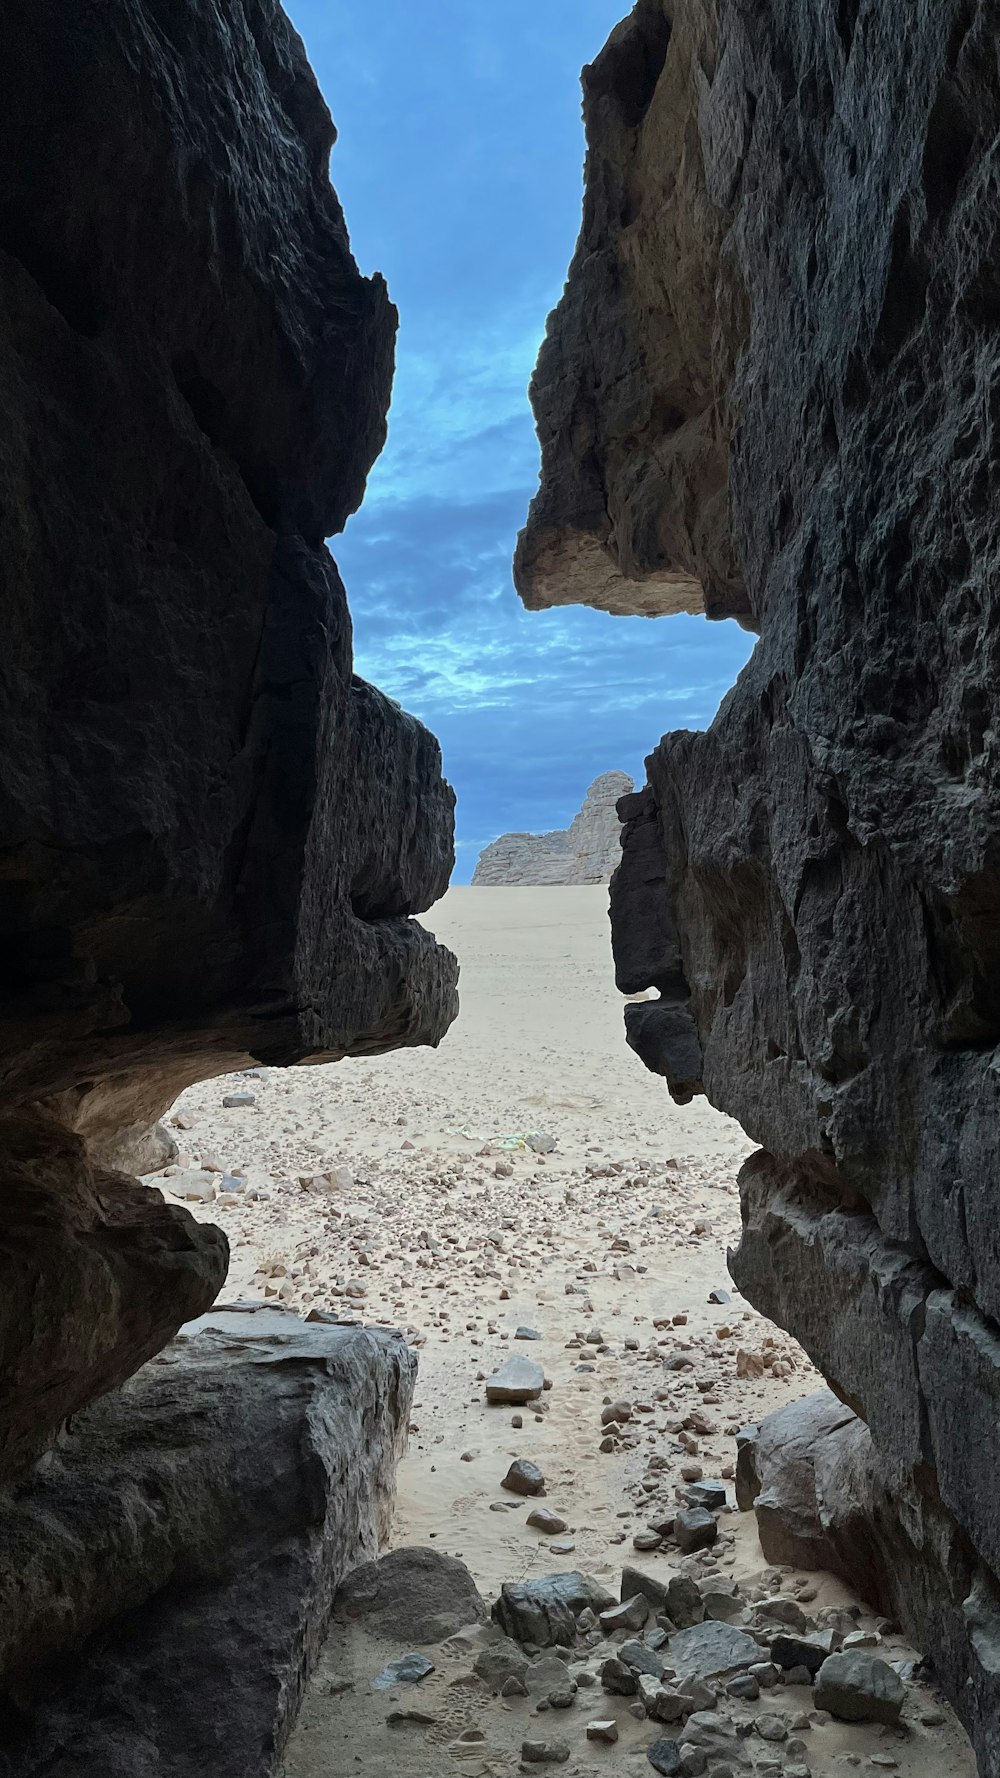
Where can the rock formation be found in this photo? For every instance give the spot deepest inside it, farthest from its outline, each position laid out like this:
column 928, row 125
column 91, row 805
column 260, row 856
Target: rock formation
column 250, row 1466
column 585, row 852
column 771, row 384
column 213, row 836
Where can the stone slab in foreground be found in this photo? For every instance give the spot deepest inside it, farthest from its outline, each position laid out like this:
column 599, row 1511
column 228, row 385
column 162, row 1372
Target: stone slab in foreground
column 167, row 1577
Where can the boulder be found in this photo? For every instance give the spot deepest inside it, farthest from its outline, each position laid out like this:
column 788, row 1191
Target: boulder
column 411, row 1595
column 169, row 1571
column 544, row 1611
column 858, row 1687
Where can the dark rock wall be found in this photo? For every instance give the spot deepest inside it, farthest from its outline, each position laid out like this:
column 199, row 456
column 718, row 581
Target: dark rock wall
column 813, row 883
column 212, row 837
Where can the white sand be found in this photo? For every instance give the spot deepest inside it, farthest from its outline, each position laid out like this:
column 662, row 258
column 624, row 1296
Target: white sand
column 459, row 1257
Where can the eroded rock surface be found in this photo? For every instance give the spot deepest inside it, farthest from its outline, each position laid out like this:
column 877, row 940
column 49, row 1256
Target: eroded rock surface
column 587, row 851
column 213, row 836
column 250, row 1464
column 773, row 371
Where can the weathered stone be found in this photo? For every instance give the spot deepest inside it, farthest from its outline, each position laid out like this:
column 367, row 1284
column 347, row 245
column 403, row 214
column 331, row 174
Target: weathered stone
column 544, row 1753
column 213, row 836
column 544, row 1611
column 634, row 1581
column 665, row 1757
column 168, row 1572
column 631, row 1614
column 411, row 1595
column 524, row 1477
column 801, row 1651
column 518, row 1381
column 586, row 852
column 711, row 1651
column 500, row 1661
column 619, row 1678
column 695, row 1529
column 407, row 1670
column 641, row 1659
column 684, row 1603
column 605, row 1730
column 858, row 1687
column 549, row 1523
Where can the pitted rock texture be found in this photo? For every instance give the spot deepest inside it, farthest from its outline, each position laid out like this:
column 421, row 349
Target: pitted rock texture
column 632, row 511
column 812, row 884
column 588, row 851
column 167, row 1577
column 213, row 836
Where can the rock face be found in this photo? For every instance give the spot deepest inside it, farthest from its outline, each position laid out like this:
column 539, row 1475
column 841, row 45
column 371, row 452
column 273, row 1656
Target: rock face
column 772, row 374
column 249, row 1465
column 588, row 851
column 213, row 836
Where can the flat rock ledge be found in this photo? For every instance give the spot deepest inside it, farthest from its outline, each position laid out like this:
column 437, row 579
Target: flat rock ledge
column 167, row 1575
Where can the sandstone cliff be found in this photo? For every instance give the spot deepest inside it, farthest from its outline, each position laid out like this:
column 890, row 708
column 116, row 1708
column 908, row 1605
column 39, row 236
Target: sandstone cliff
column 213, row 836
column 769, row 390
column 585, row 852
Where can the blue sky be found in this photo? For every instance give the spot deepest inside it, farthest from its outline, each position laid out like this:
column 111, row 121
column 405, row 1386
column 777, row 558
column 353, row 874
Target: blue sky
column 459, row 165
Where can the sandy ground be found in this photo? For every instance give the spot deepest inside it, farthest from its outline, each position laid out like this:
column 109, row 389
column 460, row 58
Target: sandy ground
column 405, row 1189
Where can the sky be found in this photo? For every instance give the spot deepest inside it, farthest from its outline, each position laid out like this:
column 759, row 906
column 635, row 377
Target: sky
column 459, row 166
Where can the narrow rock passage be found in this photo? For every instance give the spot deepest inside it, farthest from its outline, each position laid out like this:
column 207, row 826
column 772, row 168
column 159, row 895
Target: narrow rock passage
column 528, row 1193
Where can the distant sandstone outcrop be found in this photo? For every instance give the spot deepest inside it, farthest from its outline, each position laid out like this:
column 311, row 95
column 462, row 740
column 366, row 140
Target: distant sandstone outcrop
column 585, row 852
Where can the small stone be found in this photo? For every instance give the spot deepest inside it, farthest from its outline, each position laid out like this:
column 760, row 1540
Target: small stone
column 931, row 1717
column 527, row 1333
column 694, row 1761
column 765, row 1673
column 236, row 1101
column 618, row 1679
column 408, row 1670
column 801, row 1651
column 719, row 1296
column 744, row 1687
column 563, row 1699
column 519, row 1380
column 772, row 1728
column 640, row 1658
column 501, row 1661
column 524, row 1477
column 665, row 1757
column 602, row 1731
column 398, row 1719
column 647, row 1541
column 798, row 1676
column 695, row 1529
column 632, row 1614
column 711, row 1495
column 541, row 1518
column 513, row 1688
column 544, row 1753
